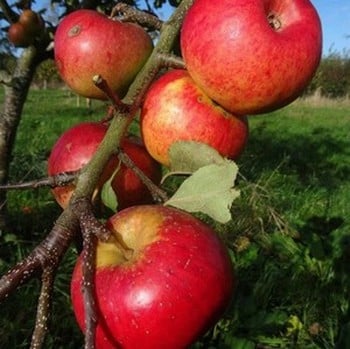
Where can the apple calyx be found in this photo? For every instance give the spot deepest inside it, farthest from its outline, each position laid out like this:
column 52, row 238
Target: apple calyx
column 274, row 21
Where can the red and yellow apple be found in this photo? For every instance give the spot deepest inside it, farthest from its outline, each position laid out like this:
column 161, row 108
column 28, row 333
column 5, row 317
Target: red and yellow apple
column 176, row 109
column 75, row 148
column 176, row 284
column 88, row 43
column 252, row 56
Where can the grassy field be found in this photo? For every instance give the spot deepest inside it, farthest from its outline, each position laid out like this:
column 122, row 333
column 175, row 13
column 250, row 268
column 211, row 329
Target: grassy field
column 289, row 237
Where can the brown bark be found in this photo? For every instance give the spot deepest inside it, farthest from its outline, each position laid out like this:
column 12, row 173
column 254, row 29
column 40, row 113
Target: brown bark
column 16, row 90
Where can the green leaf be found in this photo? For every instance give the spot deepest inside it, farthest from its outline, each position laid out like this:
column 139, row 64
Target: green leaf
column 208, row 190
column 108, row 195
column 189, row 156
column 10, row 238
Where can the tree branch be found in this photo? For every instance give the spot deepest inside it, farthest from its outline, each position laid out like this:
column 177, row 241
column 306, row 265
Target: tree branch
column 88, row 255
column 10, row 15
column 102, row 84
column 5, row 78
column 131, row 14
column 91, row 172
column 168, row 60
column 48, row 253
column 59, row 180
column 158, row 194
column 43, row 310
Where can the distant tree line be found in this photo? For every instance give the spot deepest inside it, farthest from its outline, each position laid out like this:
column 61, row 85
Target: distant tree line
column 332, row 78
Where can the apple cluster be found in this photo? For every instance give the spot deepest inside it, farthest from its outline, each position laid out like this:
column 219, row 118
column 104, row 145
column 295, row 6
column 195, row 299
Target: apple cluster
column 242, row 58
column 23, row 32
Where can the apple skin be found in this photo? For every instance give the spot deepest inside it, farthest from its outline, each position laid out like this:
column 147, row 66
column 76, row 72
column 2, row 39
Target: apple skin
column 32, row 21
column 75, row 148
column 176, row 109
column 244, row 64
column 88, row 43
column 19, row 36
column 176, row 285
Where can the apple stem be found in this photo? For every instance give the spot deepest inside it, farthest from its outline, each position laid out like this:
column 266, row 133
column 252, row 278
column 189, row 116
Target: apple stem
column 168, row 60
column 159, row 195
column 109, row 115
column 91, row 225
column 274, row 21
column 102, row 84
column 131, row 14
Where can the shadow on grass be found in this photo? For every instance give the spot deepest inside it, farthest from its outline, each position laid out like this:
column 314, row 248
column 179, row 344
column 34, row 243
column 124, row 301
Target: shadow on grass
column 318, row 158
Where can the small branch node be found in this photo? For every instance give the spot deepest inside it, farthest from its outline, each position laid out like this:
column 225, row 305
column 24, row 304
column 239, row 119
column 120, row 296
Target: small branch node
column 102, row 84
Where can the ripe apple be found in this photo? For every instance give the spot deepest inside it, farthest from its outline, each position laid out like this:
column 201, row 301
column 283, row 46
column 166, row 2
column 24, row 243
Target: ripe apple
column 32, row 21
column 88, row 43
column 176, row 109
column 18, row 35
column 174, row 287
column 252, row 56
column 75, row 148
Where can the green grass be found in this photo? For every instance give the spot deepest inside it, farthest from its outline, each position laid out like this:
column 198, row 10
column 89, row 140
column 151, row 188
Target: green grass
column 289, row 237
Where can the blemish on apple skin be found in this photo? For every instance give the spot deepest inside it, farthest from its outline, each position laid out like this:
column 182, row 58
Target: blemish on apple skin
column 187, row 263
column 134, row 323
column 74, row 31
column 69, row 147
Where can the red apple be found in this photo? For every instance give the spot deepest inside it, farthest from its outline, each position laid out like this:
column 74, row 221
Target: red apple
column 174, row 287
column 176, row 109
column 31, row 21
column 75, row 148
column 252, row 56
column 88, row 43
column 19, row 36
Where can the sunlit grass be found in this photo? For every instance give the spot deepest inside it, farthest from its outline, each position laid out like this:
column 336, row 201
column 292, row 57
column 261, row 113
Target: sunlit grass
column 289, row 236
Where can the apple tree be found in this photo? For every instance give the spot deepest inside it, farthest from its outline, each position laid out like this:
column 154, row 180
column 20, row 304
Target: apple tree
column 33, row 48
column 192, row 122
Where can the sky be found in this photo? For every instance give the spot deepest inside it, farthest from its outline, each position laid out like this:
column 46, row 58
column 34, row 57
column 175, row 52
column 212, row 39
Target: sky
column 335, row 19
